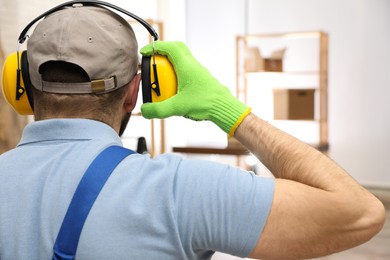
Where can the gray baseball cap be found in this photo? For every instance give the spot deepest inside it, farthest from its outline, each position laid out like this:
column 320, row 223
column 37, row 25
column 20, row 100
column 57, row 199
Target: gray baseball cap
column 98, row 40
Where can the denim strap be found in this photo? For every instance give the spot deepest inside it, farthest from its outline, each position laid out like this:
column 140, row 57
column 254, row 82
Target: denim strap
column 85, row 195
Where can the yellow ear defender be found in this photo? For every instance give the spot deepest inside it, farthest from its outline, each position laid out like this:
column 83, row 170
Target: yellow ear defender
column 157, row 85
column 16, row 83
column 17, row 88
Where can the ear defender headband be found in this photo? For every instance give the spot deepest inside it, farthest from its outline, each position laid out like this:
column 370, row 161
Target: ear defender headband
column 17, row 88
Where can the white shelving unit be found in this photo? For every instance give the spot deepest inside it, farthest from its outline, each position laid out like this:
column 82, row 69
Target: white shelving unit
column 304, row 67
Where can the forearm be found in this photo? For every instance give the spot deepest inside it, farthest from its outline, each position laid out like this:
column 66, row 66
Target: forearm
column 287, row 157
column 291, row 159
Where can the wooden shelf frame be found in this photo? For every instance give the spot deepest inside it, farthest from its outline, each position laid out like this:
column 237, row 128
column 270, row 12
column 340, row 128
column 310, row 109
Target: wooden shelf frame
column 322, row 72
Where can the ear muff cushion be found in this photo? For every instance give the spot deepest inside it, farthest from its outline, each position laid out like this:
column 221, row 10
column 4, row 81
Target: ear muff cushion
column 9, row 86
column 145, row 77
column 26, row 79
column 166, row 77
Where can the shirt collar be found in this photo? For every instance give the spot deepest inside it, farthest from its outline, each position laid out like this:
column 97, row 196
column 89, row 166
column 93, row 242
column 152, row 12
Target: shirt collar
column 68, row 129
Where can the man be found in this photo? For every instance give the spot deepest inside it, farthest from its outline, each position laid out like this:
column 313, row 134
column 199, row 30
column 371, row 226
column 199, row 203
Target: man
column 165, row 207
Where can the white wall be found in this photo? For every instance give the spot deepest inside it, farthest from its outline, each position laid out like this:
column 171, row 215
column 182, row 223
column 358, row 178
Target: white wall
column 359, row 65
column 211, row 30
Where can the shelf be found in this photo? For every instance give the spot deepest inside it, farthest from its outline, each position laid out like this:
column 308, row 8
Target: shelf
column 232, row 150
column 293, row 121
column 297, row 73
column 206, row 150
column 321, row 147
column 307, row 79
column 300, row 62
column 288, row 35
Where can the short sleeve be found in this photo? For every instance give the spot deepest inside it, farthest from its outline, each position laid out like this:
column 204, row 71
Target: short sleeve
column 220, row 208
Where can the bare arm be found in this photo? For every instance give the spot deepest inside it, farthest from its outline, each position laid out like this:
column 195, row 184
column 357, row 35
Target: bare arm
column 318, row 209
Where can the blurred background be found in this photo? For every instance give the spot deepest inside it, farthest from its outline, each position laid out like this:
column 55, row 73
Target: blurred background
column 358, row 67
column 349, row 74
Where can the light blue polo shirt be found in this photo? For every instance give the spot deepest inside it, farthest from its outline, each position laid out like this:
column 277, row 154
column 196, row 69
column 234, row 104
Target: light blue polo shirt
column 161, row 208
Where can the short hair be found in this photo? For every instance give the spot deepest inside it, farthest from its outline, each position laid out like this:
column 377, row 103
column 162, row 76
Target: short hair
column 93, row 106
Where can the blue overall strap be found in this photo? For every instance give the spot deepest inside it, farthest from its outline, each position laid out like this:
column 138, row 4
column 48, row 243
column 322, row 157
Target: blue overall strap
column 85, row 195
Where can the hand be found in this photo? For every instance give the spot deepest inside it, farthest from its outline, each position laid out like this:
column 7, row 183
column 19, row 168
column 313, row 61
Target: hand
column 200, row 96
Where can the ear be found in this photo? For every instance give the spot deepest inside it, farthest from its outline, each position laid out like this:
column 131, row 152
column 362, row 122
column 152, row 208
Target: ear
column 132, row 94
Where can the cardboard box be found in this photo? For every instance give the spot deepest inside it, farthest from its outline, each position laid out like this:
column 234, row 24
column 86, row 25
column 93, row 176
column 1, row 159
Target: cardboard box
column 275, row 61
column 255, row 62
column 274, row 65
column 294, row 104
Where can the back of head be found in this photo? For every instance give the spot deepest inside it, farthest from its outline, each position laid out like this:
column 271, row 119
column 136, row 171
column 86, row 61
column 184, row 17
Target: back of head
column 81, row 50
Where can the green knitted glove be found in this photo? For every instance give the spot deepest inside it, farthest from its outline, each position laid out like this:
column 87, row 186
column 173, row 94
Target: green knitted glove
column 200, row 96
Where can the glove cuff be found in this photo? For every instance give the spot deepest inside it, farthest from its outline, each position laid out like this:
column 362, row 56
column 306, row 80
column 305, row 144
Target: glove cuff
column 228, row 115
